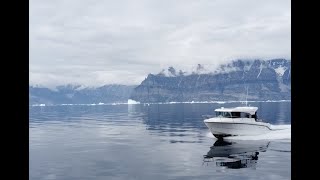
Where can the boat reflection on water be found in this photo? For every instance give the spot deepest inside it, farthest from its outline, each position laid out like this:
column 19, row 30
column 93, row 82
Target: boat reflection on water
column 235, row 154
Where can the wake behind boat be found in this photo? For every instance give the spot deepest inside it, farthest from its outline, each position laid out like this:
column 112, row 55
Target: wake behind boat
column 238, row 121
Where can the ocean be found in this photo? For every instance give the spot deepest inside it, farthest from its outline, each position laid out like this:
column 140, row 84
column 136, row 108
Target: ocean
column 153, row 141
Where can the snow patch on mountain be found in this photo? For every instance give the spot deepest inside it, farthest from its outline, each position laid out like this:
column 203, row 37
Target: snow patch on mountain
column 280, row 70
column 261, row 66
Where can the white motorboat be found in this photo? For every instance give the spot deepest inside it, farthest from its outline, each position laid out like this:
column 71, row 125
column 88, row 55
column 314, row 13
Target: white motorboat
column 238, row 121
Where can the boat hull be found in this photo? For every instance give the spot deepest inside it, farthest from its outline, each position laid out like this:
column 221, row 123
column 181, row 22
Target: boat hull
column 231, row 128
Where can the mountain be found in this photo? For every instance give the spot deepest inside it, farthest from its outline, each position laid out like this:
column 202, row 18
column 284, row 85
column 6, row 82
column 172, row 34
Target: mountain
column 263, row 79
column 76, row 94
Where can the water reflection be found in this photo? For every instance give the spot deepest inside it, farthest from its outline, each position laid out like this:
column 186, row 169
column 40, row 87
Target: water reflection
column 235, row 154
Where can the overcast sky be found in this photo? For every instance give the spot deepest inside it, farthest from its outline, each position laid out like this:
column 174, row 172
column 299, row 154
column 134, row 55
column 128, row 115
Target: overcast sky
column 97, row 42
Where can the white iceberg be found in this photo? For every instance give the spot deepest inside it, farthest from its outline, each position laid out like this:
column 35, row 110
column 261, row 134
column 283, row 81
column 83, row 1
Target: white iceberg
column 131, row 101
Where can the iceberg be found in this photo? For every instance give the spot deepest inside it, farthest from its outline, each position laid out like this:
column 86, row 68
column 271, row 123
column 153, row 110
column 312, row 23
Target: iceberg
column 131, row 101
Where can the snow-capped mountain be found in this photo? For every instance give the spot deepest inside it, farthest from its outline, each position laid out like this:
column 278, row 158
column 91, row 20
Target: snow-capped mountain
column 264, row 79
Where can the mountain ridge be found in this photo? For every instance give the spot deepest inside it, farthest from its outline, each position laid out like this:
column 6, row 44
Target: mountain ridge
column 76, row 94
column 264, row 79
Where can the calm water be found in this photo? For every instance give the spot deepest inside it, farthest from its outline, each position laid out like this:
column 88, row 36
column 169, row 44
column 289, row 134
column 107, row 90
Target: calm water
column 166, row 141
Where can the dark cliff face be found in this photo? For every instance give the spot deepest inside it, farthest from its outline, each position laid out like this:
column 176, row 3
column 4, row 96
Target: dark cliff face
column 73, row 95
column 265, row 80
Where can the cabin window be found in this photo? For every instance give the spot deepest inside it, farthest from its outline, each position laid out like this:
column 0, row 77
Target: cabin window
column 245, row 115
column 227, row 114
column 235, row 114
column 255, row 116
column 223, row 114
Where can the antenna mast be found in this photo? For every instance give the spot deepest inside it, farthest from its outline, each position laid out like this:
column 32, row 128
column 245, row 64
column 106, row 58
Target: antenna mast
column 247, row 97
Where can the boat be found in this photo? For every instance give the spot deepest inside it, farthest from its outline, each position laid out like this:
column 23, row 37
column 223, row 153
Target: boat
column 237, row 121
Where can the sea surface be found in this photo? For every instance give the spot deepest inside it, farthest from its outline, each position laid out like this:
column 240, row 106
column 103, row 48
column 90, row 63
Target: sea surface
column 153, row 142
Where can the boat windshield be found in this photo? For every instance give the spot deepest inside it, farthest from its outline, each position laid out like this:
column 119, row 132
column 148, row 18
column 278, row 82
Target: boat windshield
column 233, row 114
column 223, row 114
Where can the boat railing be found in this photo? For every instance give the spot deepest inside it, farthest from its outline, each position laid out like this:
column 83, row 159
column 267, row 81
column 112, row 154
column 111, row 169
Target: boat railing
column 259, row 120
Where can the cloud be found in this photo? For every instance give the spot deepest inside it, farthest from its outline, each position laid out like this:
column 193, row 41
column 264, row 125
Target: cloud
column 101, row 42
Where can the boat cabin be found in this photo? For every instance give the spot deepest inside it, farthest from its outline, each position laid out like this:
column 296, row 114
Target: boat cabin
column 238, row 112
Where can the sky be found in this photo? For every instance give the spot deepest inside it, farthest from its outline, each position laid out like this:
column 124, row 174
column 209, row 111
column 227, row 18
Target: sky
column 98, row 42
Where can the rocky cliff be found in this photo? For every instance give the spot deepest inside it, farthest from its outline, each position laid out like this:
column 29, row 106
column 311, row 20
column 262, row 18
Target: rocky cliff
column 261, row 79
